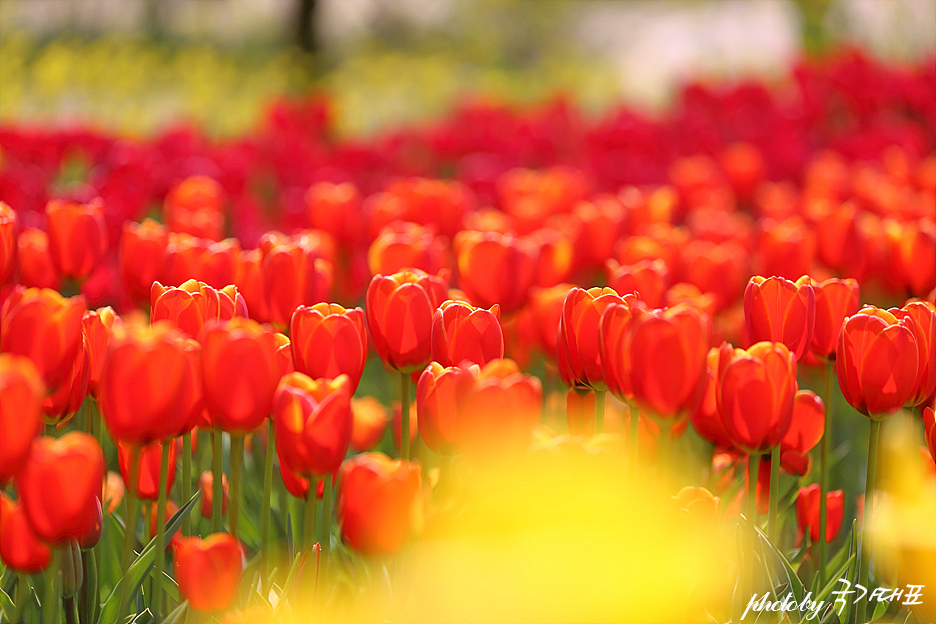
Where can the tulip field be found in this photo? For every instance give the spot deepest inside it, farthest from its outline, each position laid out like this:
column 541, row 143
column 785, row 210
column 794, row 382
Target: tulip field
column 516, row 364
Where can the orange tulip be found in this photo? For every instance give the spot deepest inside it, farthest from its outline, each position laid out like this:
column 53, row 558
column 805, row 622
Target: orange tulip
column 778, row 310
column 807, row 426
column 147, row 484
column 20, row 549
column 194, row 206
column 21, row 393
column 206, row 485
column 142, row 257
column 421, row 200
column 495, row 268
column 705, row 417
column 555, row 256
column 151, row 384
column 923, row 323
column 836, row 300
column 7, row 241
column 786, row 248
column 35, row 262
column 45, row 327
column 545, row 311
column 77, row 237
column 64, row 403
column 98, row 326
column 701, row 504
column 910, row 252
column 877, row 361
column 602, row 224
column 240, row 370
column 312, row 420
column 807, row 513
column 839, row 239
column 649, row 279
column 250, row 284
column 187, row 257
column 613, row 342
column 336, row 209
column 403, row 245
column 209, row 571
column 379, row 503
column 294, row 275
column 112, row 492
column 756, row 392
column 717, row 268
column 440, row 395
column 579, row 354
column 60, row 486
column 193, row 304
column 370, row 422
column 463, row 332
column 329, row 340
column 929, row 421
column 665, row 359
column 399, row 311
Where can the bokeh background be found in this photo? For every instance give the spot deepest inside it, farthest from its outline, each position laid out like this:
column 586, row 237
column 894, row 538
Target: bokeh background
column 141, row 66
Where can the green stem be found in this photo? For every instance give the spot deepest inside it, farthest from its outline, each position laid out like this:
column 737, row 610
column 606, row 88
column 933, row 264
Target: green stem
column 325, row 539
column 634, row 436
column 865, row 567
column 824, row 475
column 50, row 602
column 308, row 534
column 94, row 416
column 751, row 513
column 50, row 429
column 84, row 593
column 237, row 468
column 267, row 494
column 599, row 411
column 187, row 479
column 129, row 530
column 772, row 528
column 68, row 605
column 161, row 529
column 217, row 473
column 404, row 416
column 22, row 595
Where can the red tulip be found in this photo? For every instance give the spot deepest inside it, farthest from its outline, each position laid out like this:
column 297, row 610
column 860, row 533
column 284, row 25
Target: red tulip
column 379, row 503
column 77, row 237
column 877, row 361
column 613, row 342
column 150, row 384
column 836, row 300
column 187, row 257
column 923, row 323
column 579, row 353
column 421, row 200
column 786, row 248
column 328, row 340
column 20, row 549
column 142, row 257
column 60, row 486
column 21, row 393
column 546, row 309
column 194, row 206
column 807, row 423
column 208, row 571
column 250, row 284
column 756, row 392
column 45, row 327
column 151, row 513
column 495, row 268
column 7, row 241
column 440, row 395
column 193, row 304
column 807, row 513
column 839, row 239
column 665, row 358
column 240, row 370
column 399, row 311
column 910, row 252
column 312, row 420
column 602, row 224
column 336, row 209
column 35, row 262
column 463, row 332
column 403, row 245
column 294, row 275
column 98, row 326
column 705, row 417
column 147, row 483
column 649, row 279
column 206, row 485
column 554, row 256
column 778, row 310
column 370, row 421
column 64, row 403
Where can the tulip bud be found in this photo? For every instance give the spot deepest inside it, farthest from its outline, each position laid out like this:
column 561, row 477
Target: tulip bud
column 72, row 572
column 923, row 323
column 150, row 458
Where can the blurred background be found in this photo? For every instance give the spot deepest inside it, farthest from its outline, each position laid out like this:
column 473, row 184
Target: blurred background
column 141, row 66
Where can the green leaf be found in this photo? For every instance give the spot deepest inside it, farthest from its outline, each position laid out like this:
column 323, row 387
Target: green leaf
column 177, row 615
column 796, row 585
column 879, row 610
column 290, row 581
column 6, row 604
column 834, row 579
column 140, row 568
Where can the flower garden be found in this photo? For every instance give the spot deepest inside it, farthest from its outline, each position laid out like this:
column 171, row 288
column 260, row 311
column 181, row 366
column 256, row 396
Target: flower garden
column 516, row 364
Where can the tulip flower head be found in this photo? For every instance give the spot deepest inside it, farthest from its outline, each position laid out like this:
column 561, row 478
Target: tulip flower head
column 193, row 304
column 328, row 340
column 461, row 332
column 141, row 257
column 877, row 361
column 146, row 486
column 206, row 485
column 35, row 262
column 579, row 355
column 370, row 422
column 21, row 394
column 208, row 570
column 836, row 300
column 77, row 237
column 20, row 548
column 495, row 268
column 778, row 310
column 194, row 206
column 922, row 315
column 807, row 513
